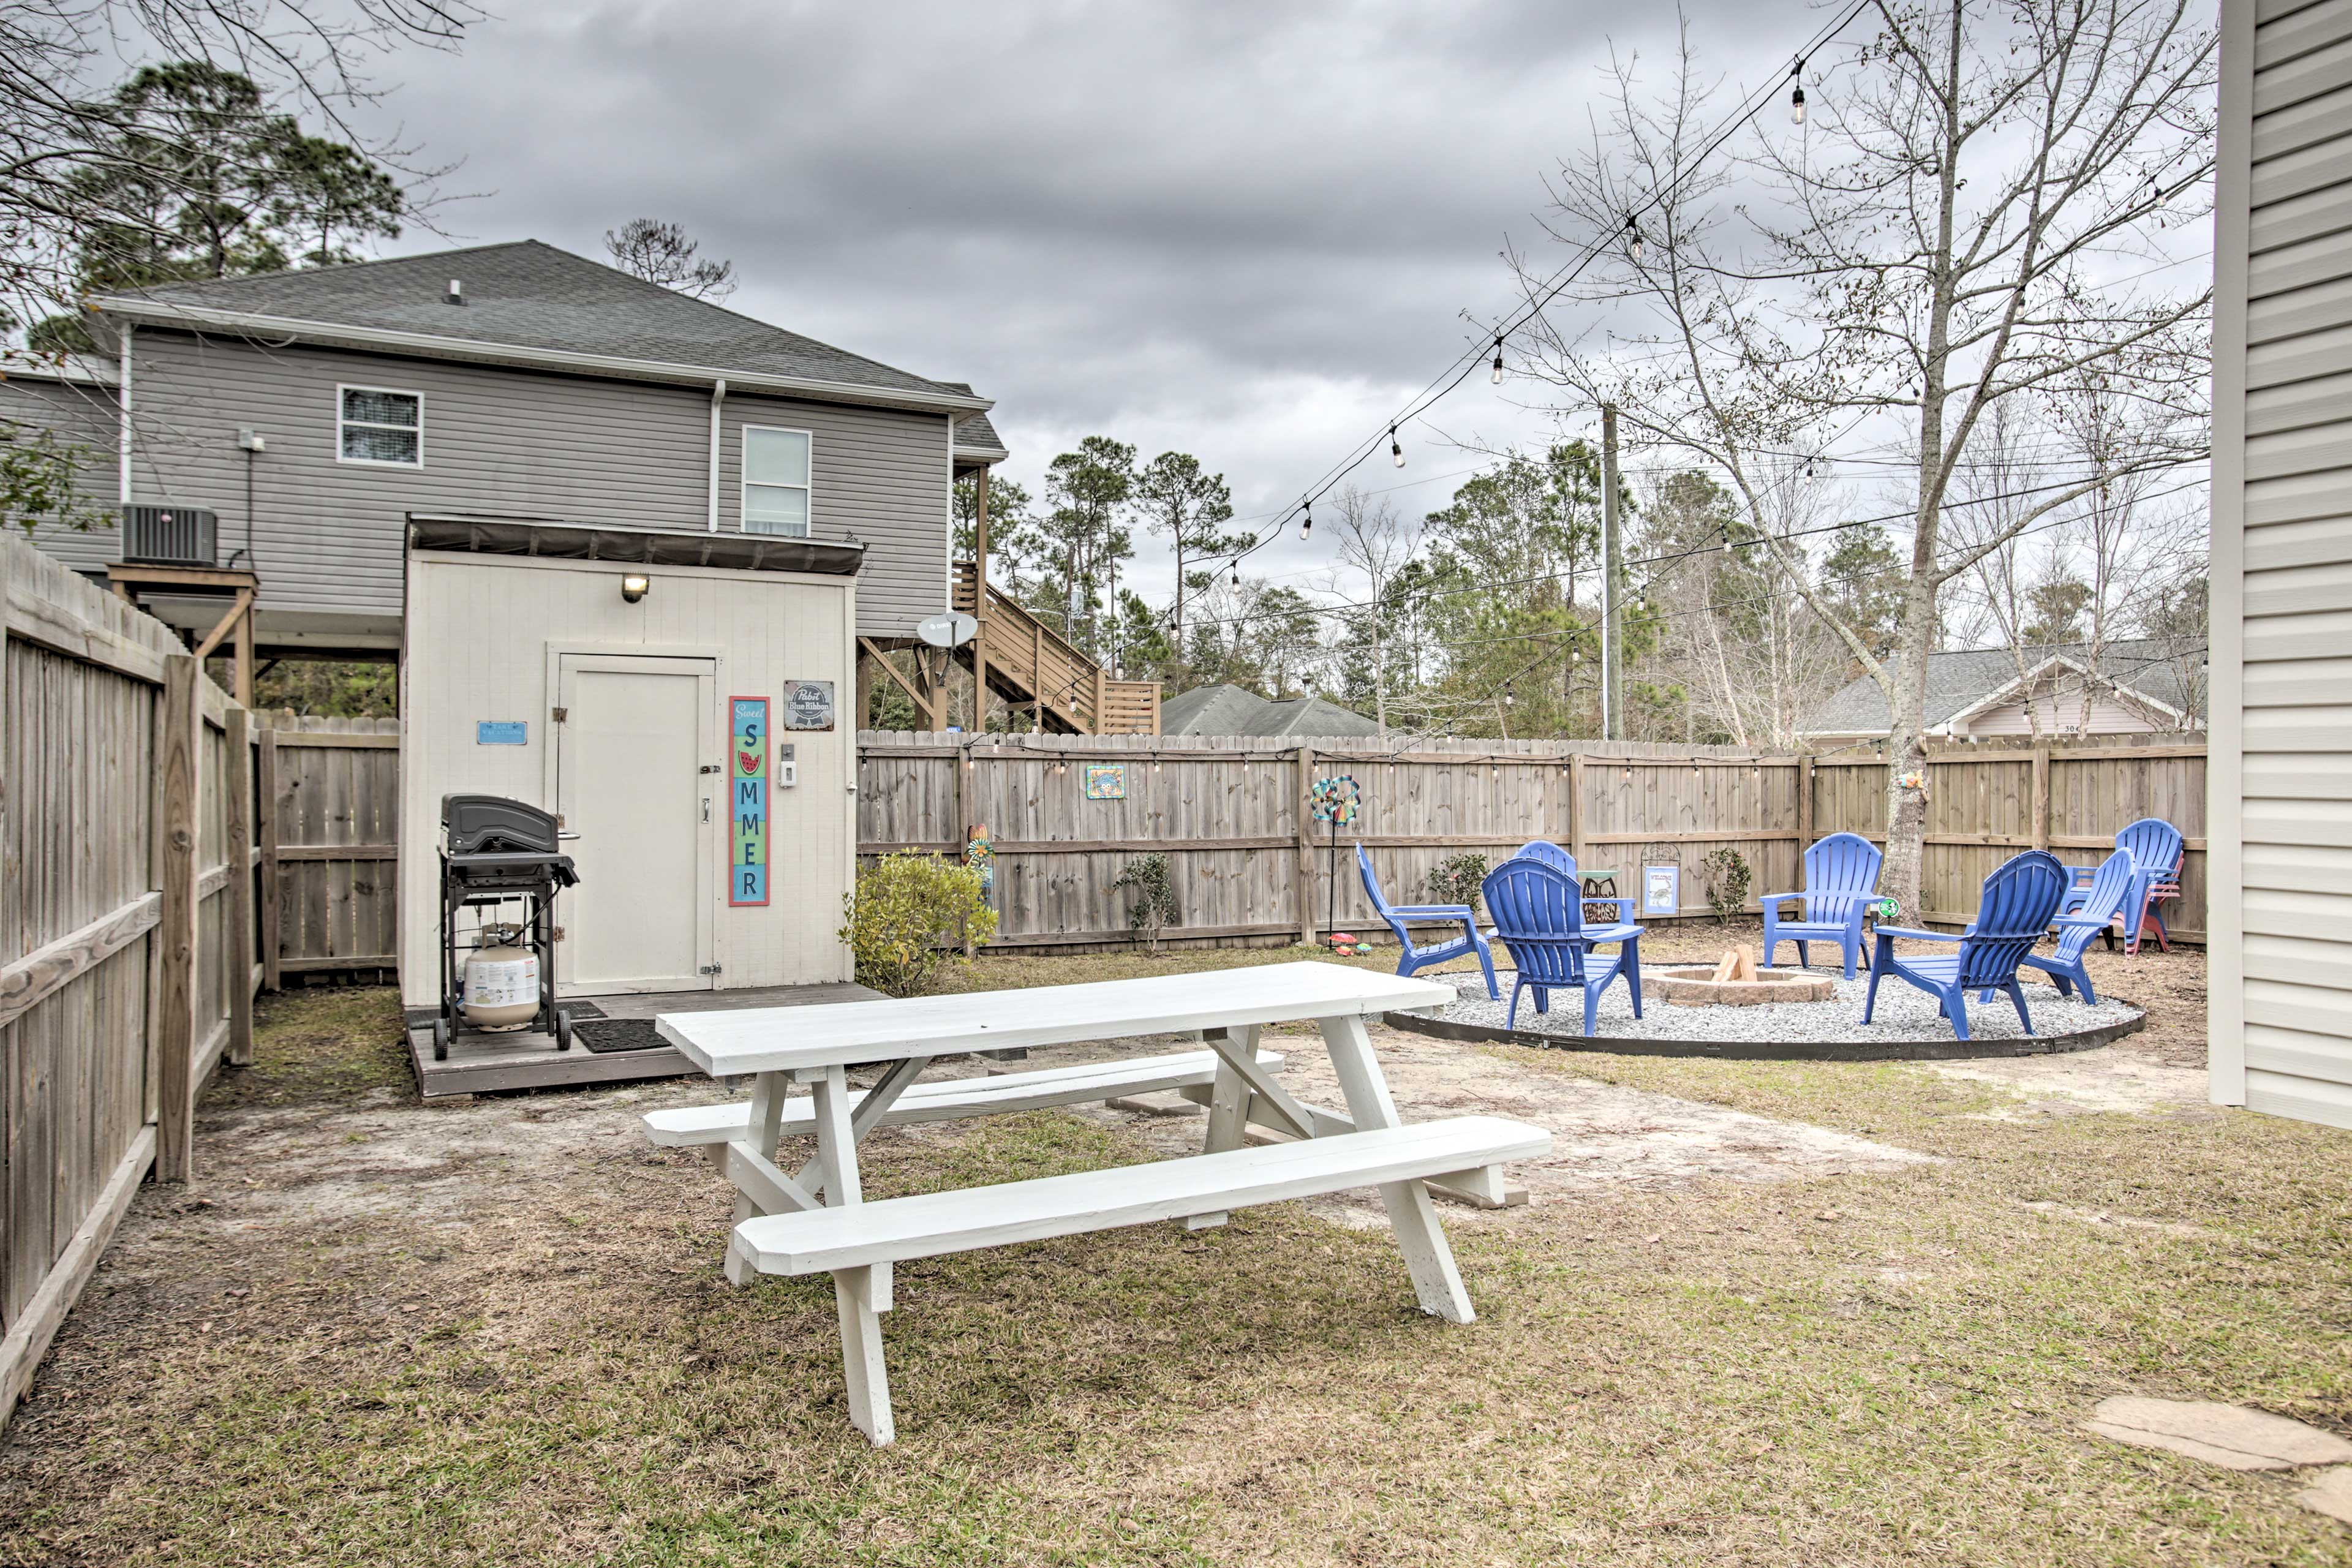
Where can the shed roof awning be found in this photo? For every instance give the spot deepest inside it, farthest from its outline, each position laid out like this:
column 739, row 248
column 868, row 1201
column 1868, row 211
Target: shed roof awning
column 553, row 540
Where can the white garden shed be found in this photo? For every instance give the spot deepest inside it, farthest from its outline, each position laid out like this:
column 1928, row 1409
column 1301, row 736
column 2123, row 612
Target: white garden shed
column 680, row 700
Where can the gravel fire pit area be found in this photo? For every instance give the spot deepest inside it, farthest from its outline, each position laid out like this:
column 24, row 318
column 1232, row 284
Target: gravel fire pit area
column 1906, row 1026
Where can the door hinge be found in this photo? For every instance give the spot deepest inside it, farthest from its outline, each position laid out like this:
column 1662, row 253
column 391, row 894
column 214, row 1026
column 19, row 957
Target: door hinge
column 561, row 713
column 709, row 969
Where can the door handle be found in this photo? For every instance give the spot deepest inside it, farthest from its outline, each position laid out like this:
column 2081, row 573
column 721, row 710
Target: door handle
column 705, row 808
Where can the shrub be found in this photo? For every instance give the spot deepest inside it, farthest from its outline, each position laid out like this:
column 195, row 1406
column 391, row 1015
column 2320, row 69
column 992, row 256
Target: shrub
column 1155, row 903
column 1728, row 879
column 1458, row 880
column 908, row 918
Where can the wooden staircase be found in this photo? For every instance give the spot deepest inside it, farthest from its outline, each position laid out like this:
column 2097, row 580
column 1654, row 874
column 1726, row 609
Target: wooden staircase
column 1029, row 663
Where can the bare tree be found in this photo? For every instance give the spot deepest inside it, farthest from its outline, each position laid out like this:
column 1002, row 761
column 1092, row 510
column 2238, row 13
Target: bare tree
column 63, row 144
column 1377, row 545
column 661, row 253
column 1970, row 214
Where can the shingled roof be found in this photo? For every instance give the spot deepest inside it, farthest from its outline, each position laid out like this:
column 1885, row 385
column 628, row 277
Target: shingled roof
column 529, row 302
column 1231, row 710
column 1960, row 680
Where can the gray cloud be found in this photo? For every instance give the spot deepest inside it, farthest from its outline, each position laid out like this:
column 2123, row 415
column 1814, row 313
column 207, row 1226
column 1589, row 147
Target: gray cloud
column 1242, row 230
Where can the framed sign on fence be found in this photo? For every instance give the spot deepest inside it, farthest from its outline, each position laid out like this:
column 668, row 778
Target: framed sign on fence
column 1662, row 889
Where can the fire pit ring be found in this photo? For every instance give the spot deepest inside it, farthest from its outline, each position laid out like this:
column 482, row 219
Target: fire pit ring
column 1695, row 985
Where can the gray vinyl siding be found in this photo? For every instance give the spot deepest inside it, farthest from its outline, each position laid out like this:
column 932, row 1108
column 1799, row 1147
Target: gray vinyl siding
column 327, row 535
column 81, row 414
column 2281, row 625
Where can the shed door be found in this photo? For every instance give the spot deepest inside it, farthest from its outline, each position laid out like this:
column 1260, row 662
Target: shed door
column 629, row 782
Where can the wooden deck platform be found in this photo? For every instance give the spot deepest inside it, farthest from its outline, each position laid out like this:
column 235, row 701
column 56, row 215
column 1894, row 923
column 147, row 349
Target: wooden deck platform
column 478, row 1064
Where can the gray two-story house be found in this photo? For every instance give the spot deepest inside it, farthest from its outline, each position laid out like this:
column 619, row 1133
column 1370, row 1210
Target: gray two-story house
column 310, row 416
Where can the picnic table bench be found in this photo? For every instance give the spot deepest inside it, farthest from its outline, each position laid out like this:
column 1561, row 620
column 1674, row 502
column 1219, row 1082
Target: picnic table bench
column 816, row 1221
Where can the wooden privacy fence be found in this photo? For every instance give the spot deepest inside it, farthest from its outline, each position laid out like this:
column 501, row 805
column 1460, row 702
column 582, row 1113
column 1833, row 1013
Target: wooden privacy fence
column 126, row 925
column 329, row 845
column 1251, row 865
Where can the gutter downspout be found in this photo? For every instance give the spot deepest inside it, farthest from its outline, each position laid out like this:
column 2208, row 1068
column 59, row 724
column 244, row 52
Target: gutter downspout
column 717, row 396
column 123, row 402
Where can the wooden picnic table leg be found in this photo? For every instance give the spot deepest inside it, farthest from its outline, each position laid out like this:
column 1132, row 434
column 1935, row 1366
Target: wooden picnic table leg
column 859, row 1295
column 768, row 1092
column 1412, row 1213
column 1229, row 1104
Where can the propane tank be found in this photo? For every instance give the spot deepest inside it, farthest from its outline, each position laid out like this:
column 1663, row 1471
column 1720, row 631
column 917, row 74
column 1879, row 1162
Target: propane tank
column 502, row 982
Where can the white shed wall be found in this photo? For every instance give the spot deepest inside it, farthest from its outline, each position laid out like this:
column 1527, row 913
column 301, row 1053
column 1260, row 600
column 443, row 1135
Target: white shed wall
column 2280, row 774
column 480, row 631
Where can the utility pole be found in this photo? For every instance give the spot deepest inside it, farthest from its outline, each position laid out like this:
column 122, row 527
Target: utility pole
column 1613, row 652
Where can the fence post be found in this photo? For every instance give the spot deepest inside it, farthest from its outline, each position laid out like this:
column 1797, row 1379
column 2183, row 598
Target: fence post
column 1804, row 805
column 266, row 832
column 2040, row 808
column 1576, row 806
column 180, row 725
column 1303, row 882
column 236, row 934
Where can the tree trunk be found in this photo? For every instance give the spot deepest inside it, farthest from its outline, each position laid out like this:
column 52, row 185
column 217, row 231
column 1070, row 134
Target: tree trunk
column 1906, row 752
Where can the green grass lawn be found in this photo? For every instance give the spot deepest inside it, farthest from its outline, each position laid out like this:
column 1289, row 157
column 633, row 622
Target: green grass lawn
column 1880, row 1369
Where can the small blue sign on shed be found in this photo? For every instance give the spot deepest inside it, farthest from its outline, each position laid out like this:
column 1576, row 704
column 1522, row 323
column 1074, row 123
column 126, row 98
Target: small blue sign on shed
column 501, row 732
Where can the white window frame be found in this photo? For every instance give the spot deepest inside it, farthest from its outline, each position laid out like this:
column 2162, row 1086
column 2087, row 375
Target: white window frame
column 743, row 480
column 340, row 388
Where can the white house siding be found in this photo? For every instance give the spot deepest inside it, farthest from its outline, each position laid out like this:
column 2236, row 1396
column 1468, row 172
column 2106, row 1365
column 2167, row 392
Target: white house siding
column 328, row 536
column 2280, row 774
column 480, row 633
column 2062, row 715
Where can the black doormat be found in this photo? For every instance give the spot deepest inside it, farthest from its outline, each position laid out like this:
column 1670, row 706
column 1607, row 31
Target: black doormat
column 605, row 1035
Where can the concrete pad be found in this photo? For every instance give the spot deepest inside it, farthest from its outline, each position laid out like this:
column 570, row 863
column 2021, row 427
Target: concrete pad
column 2330, row 1492
column 2230, row 1435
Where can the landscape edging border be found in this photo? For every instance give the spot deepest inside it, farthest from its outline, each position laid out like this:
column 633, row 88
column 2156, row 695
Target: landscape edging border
column 1947, row 1049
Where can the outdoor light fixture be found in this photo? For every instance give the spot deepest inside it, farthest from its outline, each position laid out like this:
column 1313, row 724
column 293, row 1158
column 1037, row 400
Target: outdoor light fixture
column 1796, row 96
column 1306, row 518
column 1632, row 239
column 1395, row 450
column 1237, row 573
column 1498, row 376
column 635, row 586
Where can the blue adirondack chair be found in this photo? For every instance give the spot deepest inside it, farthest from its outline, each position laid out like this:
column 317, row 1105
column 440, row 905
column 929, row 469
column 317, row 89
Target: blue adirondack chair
column 1415, row 956
column 2019, row 900
column 1549, row 853
column 2156, row 846
column 1538, row 913
column 1841, row 880
column 2101, row 902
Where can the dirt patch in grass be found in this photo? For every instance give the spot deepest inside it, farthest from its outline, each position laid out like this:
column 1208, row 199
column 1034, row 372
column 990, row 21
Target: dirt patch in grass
column 372, row 1332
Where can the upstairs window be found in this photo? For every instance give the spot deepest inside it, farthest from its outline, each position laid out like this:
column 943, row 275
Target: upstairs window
column 775, row 481
column 373, row 425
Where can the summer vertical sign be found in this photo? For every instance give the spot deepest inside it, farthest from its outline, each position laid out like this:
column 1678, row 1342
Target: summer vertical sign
column 747, row 770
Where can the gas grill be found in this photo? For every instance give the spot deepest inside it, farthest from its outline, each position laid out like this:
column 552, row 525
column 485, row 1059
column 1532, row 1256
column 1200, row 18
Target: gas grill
column 496, row 852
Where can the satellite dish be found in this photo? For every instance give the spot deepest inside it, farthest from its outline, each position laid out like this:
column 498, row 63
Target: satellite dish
column 947, row 631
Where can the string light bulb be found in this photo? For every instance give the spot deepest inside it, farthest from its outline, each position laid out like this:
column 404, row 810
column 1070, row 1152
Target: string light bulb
column 1237, row 572
column 1632, row 239
column 1306, row 518
column 1396, row 450
column 1796, row 96
column 1496, row 376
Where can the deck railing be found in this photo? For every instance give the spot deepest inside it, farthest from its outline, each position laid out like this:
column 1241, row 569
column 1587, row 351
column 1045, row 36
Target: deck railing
column 1022, row 652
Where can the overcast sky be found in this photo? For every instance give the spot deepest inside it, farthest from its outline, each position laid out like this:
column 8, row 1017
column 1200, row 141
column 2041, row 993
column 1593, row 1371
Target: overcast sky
column 1246, row 231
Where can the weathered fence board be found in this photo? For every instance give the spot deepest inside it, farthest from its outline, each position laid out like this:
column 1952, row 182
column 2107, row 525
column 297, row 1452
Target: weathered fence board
column 121, row 958
column 1251, row 865
column 330, row 898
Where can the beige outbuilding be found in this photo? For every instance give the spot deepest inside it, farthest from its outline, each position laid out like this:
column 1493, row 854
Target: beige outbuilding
column 680, row 701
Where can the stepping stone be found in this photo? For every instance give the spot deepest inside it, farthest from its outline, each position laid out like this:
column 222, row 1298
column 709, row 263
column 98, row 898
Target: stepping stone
column 2330, row 1492
column 2226, row 1435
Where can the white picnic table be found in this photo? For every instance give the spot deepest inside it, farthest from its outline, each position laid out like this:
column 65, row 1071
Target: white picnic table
column 816, row 1220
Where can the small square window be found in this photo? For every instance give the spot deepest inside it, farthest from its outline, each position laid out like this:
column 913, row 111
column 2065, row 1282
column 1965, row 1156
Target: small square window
column 775, row 481
column 376, row 426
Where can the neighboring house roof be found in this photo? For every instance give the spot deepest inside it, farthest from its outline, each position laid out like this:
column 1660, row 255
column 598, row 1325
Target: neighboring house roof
column 1231, row 711
column 529, row 303
column 1969, row 680
column 87, row 370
